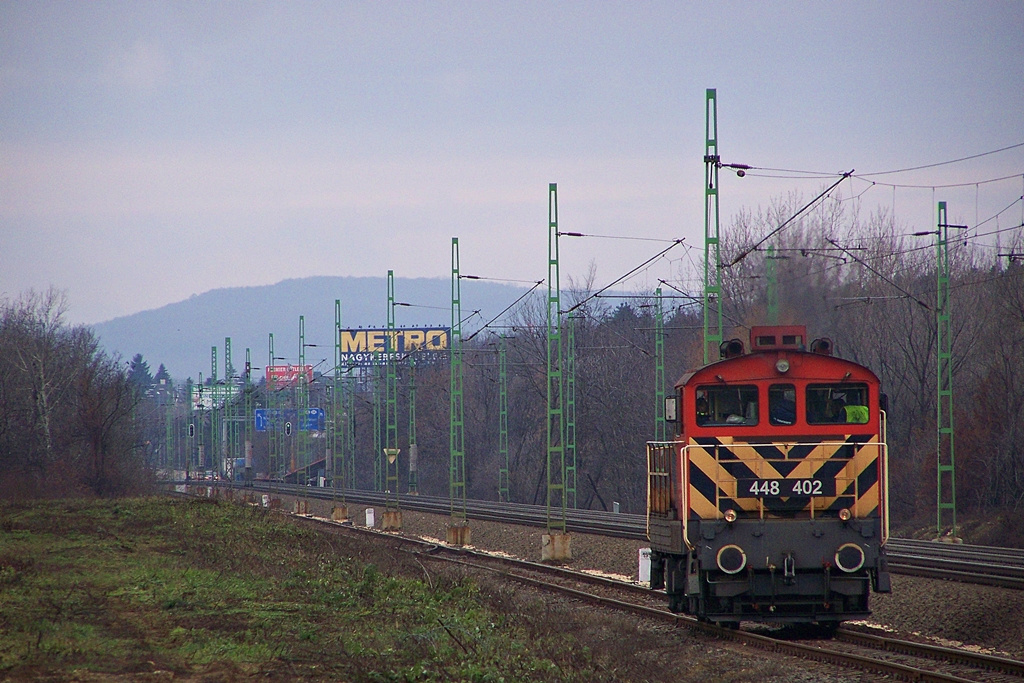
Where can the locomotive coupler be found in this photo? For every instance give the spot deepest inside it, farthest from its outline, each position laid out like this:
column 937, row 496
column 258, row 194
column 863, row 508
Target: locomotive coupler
column 789, row 569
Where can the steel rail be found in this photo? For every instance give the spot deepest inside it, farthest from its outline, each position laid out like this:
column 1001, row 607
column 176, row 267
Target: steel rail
column 939, row 653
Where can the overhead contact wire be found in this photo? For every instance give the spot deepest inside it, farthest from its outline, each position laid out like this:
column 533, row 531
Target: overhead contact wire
column 743, row 254
column 627, row 275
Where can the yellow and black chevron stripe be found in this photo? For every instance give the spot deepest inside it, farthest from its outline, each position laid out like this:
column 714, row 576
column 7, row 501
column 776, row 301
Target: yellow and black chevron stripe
column 714, row 467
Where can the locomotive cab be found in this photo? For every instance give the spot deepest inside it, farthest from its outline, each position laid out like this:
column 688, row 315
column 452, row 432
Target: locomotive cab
column 770, row 504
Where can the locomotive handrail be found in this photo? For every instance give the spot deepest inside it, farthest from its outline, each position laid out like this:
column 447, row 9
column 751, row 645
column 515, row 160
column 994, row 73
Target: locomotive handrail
column 882, row 426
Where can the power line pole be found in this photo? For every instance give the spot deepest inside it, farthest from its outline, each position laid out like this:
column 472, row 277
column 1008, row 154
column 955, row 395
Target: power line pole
column 339, row 511
column 413, row 448
column 274, row 434
column 215, row 445
column 248, row 417
column 170, row 461
column 772, row 293
column 458, row 530
column 946, row 482
column 555, row 544
column 570, row 411
column 659, row 367
column 392, row 514
column 378, row 420
column 712, row 254
column 190, row 430
column 349, row 388
column 302, row 413
column 230, row 428
column 199, row 429
column 503, row 492
column 333, row 456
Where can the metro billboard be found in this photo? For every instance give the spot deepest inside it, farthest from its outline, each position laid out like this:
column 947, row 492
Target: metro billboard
column 365, row 347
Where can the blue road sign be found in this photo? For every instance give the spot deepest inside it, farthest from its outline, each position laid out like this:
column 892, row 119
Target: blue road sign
column 267, row 419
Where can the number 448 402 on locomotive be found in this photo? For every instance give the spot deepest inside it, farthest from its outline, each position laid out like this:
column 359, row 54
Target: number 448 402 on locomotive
column 771, row 502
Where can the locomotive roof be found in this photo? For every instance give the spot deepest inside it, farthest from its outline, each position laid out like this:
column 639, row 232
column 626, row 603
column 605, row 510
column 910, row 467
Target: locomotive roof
column 760, row 365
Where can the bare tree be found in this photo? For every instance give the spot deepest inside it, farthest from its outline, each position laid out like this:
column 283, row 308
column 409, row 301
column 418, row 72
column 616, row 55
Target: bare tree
column 49, row 372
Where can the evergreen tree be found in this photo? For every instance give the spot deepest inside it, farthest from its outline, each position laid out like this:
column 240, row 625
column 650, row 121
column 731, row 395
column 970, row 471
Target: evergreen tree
column 162, row 376
column 139, row 375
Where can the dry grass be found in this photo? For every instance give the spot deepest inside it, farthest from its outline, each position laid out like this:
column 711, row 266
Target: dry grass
column 200, row 590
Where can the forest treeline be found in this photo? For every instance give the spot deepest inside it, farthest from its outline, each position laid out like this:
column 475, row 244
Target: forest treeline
column 867, row 283
column 67, row 409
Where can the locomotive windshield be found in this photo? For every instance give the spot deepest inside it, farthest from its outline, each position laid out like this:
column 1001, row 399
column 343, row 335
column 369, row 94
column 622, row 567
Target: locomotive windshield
column 726, row 405
column 837, row 403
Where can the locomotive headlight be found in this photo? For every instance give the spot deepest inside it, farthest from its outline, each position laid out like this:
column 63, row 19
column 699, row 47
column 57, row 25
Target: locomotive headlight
column 730, row 515
column 782, row 365
column 845, row 515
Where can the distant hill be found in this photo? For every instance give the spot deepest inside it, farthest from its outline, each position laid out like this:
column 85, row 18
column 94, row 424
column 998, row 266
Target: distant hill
column 180, row 335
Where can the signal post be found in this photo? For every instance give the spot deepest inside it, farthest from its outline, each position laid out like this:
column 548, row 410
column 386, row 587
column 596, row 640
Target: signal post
column 393, row 513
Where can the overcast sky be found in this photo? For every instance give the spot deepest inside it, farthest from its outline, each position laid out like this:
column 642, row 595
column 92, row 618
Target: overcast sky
column 153, row 150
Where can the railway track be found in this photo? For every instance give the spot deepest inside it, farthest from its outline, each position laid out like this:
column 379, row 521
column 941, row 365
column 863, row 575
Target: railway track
column 983, row 565
column 848, row 648
column 968, row 563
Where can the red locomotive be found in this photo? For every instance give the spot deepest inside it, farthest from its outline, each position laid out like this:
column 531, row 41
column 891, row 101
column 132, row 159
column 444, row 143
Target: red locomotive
column 770, row 504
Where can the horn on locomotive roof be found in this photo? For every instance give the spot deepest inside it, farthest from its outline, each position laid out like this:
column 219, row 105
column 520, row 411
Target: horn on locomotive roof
column 822, row 345
column 731, row 348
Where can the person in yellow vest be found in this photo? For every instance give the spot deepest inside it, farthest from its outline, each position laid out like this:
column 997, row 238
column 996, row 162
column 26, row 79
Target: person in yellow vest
column 856, row 414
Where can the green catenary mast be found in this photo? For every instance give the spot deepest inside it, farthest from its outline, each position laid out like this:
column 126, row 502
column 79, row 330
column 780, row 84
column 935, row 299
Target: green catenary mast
column 182, row 432
column 556, row 490
column 301, row 414
column 946, row 485
column 712, row 255
column 378, row 422
column 772, row 293
column 248, row 417
column 338, row 421
column 170, row 458
column 273, row 435
column 199, row 429
column 215, row 453
column 570, row 411
column 413, row 448
column 659, row 368
column 350, row 426
column 456, row 431
column 230, row 426
column 391, row 413
column 503, row 492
